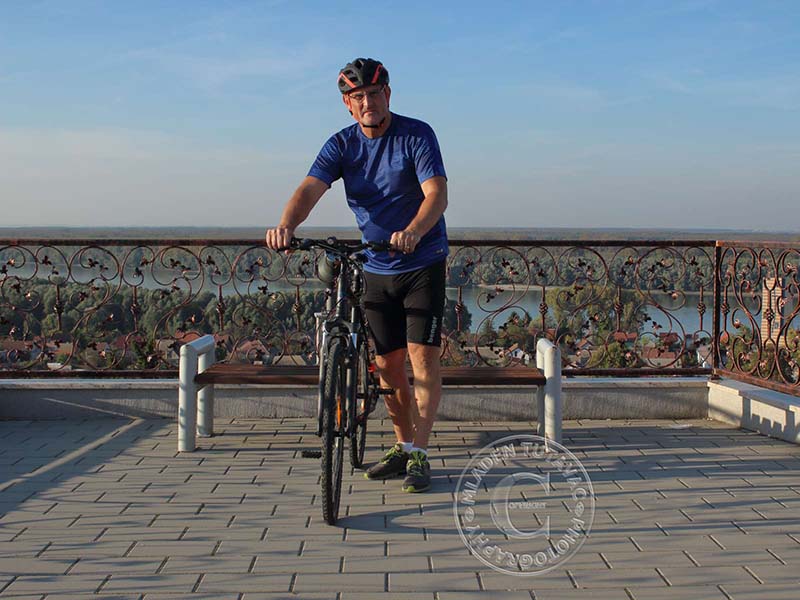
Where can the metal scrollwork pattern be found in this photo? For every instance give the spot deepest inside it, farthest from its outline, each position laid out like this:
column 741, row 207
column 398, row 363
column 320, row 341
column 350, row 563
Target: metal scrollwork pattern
column 627, row 308
column 111, row 307
column 759, row 329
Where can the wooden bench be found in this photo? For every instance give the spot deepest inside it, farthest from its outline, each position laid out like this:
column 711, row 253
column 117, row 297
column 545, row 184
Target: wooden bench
column 199, row 374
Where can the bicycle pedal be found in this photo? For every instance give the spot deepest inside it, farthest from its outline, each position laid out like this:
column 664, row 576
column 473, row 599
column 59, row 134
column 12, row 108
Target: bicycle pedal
column 311, row 453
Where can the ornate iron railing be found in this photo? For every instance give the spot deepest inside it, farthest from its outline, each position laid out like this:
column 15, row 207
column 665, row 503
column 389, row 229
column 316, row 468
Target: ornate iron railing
column 758, row 328
column 614, row 307
column 122, row 308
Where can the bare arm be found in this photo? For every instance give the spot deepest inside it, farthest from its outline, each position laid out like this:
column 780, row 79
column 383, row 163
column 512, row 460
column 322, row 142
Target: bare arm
column 431, row 209
column 296, row 211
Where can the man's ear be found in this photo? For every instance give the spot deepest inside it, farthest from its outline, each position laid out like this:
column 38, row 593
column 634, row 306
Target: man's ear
column 346, row 101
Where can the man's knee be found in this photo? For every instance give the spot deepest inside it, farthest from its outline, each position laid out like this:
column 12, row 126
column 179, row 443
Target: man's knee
column 392, row 365
column 425, row 360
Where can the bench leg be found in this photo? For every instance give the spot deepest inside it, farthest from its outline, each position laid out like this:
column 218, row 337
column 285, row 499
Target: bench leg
column 187, row 400
column 205, row 400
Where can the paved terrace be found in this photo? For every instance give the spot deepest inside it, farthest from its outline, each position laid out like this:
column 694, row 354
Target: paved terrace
column 105, row 508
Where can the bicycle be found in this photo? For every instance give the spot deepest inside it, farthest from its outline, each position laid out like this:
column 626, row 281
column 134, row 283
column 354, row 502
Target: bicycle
column 348, row 387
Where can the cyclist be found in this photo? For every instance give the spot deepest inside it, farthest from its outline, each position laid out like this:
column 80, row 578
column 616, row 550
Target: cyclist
column 396, row 185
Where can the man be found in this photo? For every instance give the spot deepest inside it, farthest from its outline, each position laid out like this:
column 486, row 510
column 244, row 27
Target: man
column 396, row 185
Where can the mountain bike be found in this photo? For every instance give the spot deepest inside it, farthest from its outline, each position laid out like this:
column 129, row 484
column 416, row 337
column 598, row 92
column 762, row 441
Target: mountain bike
column 348, row 386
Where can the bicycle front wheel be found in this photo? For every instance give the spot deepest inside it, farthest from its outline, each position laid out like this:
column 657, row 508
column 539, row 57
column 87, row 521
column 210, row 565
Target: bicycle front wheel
column 365, row 403
column 334, row 423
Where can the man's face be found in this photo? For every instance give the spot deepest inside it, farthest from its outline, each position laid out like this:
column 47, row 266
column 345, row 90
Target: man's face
column 369, row 105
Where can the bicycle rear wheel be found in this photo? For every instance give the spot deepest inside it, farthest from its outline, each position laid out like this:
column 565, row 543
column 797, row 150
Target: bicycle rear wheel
column 365, row 404
column 334, row 423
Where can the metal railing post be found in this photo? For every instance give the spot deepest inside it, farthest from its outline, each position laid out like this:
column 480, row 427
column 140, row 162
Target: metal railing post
column 715, row 349
column 552, row 394
column 187, row 400
column 540, row 350
column 548, row 359
column 205, row 399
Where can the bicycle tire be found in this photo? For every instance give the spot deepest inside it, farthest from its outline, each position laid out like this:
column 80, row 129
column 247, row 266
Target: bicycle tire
column 362, row 407
column 334, row 423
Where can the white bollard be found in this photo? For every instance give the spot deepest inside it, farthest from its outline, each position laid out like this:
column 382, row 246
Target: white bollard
column 205, row 398
column 541, row 346
column 548, row 359
column 187, row 400
column 552, row 394
column 202, row 349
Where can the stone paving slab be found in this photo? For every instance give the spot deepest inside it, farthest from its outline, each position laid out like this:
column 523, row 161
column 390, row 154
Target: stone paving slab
column 406, row 582
column 495, row 595
column 110, row 509
column 124, row 583
column 615, row 578
column 790, row 556
column 706, row 592
column 195, row 596
column 85, row 585
column 33, row 566
column 780, row 591
column 769, row 574
column 694, row 576
column 278, row 596
column 115, row 566
column 557, row 579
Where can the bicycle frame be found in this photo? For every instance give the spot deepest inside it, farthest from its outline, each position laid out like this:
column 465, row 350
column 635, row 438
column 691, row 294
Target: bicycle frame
column 346, row 324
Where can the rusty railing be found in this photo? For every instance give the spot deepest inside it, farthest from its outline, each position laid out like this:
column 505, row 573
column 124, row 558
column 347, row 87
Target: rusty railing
column 758, row 329
column 103, row 308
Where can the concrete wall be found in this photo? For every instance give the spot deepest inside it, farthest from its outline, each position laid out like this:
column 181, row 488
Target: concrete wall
column 584, row 398
column 750, row 407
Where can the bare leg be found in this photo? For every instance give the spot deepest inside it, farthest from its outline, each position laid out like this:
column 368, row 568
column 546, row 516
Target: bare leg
column 392, row 368
column 426, row 363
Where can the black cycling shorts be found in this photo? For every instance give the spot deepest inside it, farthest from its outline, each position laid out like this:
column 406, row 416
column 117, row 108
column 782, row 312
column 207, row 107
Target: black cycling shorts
column 406, row 307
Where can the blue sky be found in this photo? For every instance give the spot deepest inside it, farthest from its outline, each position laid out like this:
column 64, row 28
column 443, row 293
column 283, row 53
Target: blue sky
column 566, row 114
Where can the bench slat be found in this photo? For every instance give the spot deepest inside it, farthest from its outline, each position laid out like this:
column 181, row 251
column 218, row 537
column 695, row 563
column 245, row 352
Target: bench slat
column 309, row 375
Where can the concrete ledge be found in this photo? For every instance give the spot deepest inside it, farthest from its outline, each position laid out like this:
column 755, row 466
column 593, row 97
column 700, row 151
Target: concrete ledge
column 584, row 398
column 757, row 409
column 639, row 398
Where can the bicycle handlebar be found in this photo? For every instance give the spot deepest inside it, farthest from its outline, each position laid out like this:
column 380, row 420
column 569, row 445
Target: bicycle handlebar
column 335, row 246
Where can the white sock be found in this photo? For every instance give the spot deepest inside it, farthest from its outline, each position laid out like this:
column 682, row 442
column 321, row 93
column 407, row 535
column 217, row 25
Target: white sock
column 415, row 449
column 407, row 446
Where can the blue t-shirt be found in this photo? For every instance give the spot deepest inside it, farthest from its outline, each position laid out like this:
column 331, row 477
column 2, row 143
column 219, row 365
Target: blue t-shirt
column 382, row 178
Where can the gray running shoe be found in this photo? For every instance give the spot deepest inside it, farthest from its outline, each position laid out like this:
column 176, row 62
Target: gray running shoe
column 392, row 464
column 419, row 473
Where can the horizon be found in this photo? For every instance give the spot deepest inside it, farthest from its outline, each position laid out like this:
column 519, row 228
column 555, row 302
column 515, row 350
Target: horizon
column 354, row 228
column 681, row 113
column 627, row 234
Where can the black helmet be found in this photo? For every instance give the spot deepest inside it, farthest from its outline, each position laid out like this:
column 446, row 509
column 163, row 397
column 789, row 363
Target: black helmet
column 361, row 72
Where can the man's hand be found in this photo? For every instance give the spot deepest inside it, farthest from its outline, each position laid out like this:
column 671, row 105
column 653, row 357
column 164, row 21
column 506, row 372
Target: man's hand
column 430, row 211
column 279, row 237
column 297, row 209
column 405, row 241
